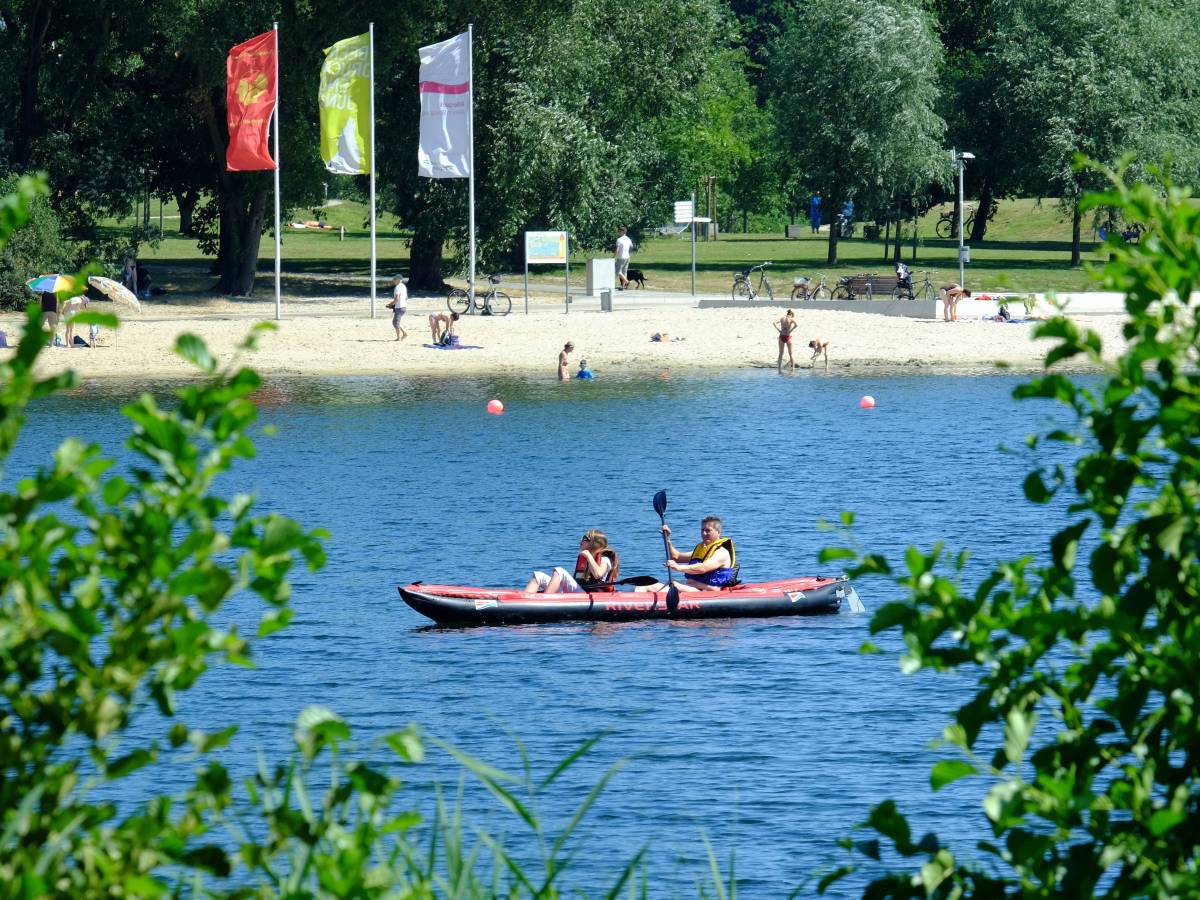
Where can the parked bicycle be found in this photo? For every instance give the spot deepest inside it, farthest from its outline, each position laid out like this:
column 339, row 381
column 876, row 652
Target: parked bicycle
column 807, row 289
column 853, row 287
column 744, row 288
column 922, row 291
column 494, row 303
column 945, row 224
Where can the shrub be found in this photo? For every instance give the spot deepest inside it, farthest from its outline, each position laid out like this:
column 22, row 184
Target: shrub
column 1083, row 725
column 38, row 248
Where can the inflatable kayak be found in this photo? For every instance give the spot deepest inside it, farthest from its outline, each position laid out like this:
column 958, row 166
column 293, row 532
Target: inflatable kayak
column 454, row 605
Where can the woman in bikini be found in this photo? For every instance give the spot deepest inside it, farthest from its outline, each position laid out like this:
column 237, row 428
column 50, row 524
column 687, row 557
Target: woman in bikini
column 564, row 371
column 785, row 327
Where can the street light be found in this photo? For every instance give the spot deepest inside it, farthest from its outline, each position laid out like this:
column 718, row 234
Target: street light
column 960, row 163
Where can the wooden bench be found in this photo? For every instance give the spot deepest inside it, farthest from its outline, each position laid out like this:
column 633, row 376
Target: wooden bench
column 793, row 231
column 865, row 287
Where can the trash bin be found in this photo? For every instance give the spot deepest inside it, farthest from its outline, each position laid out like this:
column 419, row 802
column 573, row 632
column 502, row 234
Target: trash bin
column 606, row 301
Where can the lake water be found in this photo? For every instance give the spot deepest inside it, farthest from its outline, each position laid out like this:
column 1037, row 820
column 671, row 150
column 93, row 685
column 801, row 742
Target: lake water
column 771, row 737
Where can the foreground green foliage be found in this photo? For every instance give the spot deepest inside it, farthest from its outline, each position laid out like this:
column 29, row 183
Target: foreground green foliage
column 1084, row 719
column 110, row 588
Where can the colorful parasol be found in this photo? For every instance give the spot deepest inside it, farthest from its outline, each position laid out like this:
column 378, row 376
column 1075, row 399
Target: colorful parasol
column 50, row 284
column 115, row 291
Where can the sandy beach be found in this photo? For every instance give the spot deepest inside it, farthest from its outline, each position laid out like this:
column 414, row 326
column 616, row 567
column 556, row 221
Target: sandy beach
column 337, row 337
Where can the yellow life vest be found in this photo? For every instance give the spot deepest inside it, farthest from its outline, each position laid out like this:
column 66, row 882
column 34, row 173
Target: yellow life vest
column 704, row 551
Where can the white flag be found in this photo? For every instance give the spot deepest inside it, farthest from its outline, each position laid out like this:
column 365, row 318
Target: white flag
column 445, row 86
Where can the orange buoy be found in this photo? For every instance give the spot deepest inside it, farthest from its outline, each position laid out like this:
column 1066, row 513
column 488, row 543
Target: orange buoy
column 495, row 407
column 866, row 402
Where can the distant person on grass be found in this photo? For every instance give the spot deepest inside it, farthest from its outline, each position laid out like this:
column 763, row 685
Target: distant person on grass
column 399, row 306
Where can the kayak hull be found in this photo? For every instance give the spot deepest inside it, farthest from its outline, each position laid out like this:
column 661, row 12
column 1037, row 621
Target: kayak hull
column 458, row 605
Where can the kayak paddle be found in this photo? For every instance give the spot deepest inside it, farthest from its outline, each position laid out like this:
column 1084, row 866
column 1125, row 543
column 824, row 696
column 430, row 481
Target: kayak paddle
column 660, row 507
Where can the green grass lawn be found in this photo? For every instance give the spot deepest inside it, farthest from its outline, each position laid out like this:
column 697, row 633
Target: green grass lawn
column 1027, row 249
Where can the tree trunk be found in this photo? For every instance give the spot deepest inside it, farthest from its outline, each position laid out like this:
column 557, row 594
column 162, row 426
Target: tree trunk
column 899, row 240
column 29, row 78
column 426, row 263
column 241, row 225
column 187, row 200
column 745, row 222
column 1076, row 224
column 984, row 211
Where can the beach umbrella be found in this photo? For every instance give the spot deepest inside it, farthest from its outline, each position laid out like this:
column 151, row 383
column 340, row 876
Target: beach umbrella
column 50, row 284
column 115, row 291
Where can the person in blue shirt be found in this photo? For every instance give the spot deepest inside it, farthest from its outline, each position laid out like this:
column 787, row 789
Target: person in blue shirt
column 584, row 371
column 814, row 212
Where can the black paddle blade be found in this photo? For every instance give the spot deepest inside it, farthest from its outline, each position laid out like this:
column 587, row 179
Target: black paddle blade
column 672, row 598
column 660, row 503
column 640, row 580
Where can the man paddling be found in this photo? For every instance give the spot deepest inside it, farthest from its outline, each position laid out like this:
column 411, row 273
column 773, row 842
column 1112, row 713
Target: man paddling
column 710, row 566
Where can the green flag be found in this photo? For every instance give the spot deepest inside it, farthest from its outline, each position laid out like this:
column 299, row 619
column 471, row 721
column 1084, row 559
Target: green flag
column 344, row 100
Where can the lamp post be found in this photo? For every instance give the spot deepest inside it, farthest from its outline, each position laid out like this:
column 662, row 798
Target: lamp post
column 960, row 163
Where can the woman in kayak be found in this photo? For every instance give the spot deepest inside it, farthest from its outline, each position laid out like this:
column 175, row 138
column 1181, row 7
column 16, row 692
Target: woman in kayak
column 711, row 566
column 595, row 569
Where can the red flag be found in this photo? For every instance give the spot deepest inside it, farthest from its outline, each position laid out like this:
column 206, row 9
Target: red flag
column 250, row 100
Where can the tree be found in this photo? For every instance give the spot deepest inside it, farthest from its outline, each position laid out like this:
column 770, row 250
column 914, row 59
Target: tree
column 1083, row 721
column 860, row 125
column 561, row 142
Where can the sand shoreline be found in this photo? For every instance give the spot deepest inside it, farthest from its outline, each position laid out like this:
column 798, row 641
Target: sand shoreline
column 328, row 338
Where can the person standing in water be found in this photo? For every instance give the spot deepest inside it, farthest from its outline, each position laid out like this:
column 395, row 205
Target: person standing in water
column 785, row 327
column 564, row 370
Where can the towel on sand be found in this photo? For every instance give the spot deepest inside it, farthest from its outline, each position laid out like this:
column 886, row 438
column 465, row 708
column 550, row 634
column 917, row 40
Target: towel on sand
column 453, row 347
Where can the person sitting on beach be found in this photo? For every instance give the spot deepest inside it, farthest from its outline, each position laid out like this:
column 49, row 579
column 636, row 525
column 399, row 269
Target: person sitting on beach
column 441, row 327
column 951, row 294
column 709, row 567
column 1003, row 315
column 595, row 569
column 564, row 372
column 818, row 348
column 903, row 277
column 785, row 327
column 584, row 371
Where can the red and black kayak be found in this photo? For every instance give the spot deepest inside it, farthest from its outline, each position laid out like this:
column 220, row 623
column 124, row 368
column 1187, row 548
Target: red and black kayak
column 455, row 605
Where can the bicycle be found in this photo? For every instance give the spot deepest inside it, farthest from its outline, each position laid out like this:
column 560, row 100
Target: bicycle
column 945, row 225
column 851, row 287
column 743, row 286
column 493, row 303
column 804, row 289
column 924, row 291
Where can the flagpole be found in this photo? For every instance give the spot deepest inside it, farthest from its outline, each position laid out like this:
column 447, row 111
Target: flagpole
column 278, row 240
column 371, row 41
column 471, row 140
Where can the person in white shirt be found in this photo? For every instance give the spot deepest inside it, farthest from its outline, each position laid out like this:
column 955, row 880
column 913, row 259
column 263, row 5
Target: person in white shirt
column 621, row 251
column 399, row 306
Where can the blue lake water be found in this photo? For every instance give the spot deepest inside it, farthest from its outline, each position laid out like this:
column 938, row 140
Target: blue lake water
column 771, row 737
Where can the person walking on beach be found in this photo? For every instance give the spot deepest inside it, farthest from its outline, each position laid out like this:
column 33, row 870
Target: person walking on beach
column 785, row 327
column 621, row 250
column 819, row 347
column 564, row 365
column 399, row 306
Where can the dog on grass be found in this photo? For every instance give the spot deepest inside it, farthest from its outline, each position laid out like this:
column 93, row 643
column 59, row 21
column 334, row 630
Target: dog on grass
column 635, row 276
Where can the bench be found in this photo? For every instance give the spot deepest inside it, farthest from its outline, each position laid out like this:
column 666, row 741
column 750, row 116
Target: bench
column 793, row 231
column 865, row 287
